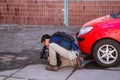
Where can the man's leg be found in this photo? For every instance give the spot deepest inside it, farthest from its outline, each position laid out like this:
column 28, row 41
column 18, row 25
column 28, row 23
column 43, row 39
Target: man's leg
column 69, row 56
column 52, row 60
column 53, row 48
column 52, row 56
column 67, row 62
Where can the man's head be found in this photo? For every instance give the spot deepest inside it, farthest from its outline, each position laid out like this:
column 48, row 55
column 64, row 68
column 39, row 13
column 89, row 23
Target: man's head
column 45, row 40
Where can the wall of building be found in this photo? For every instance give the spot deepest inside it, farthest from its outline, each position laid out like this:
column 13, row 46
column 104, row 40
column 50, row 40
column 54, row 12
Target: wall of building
column 50, row 12
column 32, row 12
column 82, row 11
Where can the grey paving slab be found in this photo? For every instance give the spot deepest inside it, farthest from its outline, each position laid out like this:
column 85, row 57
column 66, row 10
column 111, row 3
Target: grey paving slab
column 8, row 72
column 2, row 78
column 38, row 72
column 15, row 79
column 85, row 74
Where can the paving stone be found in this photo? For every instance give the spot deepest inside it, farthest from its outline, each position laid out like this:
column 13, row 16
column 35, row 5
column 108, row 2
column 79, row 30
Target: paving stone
column 21, row 58
column 6, row 58
column 38, row 72
column 2, row 78
column 9, row 56
column 95, row 75
column 8, row 72
column 15, row 79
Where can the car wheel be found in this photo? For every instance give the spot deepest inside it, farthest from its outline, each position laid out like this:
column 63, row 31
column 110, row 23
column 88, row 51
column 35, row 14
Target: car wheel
column 107, row 53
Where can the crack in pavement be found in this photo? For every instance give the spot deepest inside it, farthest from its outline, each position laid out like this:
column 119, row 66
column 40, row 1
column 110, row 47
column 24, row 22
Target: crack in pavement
column 13, row 74
column 71, row 73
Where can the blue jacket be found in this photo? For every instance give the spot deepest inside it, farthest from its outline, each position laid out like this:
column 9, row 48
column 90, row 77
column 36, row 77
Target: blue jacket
column 57, row 39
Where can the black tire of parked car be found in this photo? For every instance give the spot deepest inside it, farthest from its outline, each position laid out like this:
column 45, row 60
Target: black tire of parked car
column 97, row 48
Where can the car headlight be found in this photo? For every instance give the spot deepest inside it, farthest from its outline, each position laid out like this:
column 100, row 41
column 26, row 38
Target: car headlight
column 85, row 30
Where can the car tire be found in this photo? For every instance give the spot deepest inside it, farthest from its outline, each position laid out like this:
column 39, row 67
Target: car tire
column 106, row 52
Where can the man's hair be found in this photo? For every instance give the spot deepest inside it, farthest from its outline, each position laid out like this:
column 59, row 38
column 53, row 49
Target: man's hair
column 44, row 37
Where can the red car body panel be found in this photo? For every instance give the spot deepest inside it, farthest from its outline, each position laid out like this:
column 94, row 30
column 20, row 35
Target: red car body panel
column 103, row 27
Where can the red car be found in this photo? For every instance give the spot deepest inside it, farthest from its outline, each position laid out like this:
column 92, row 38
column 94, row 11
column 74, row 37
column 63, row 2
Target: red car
column 100, row 38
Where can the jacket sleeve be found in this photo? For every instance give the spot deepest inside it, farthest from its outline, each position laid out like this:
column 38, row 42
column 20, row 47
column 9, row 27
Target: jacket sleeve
column 74, row 46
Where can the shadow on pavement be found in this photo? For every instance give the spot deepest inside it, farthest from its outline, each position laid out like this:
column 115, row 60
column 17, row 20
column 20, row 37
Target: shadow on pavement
column 93, row 65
